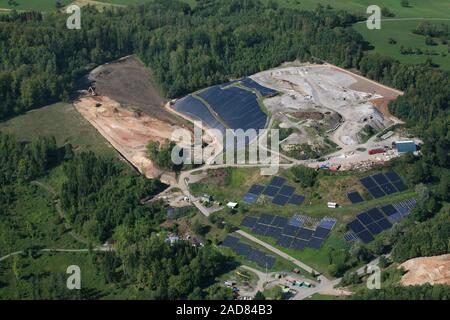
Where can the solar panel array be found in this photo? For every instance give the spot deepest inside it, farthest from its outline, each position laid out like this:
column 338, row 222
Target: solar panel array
column 252, row 194
column 237, row 107
column 370, row 223
column 382, row 184
column 197, row 110
column 291, row 233
column 281, row 193
column 249, row 252
column 249, row 83
column 354, row 197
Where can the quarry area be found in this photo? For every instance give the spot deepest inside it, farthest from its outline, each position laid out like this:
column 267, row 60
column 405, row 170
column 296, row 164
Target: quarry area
column 330, row 113
column 126, row 108
column 330, row 116
column 432, row 270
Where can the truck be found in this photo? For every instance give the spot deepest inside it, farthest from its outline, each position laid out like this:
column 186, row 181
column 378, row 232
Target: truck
column 376, row 151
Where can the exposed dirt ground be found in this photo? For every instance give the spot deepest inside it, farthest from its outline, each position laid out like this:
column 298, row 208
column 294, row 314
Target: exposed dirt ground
column 128, row 82
column 128, row 131
column 432, row 270
column 354, row 105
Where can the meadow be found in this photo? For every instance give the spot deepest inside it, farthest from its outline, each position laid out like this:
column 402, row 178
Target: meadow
column 63, row 122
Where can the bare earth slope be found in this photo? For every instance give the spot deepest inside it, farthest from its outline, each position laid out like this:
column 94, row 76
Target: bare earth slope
column 432, row 270
column 128, row 82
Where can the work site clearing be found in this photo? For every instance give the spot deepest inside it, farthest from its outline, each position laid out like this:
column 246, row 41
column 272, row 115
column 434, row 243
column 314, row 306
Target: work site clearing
column 332, row 111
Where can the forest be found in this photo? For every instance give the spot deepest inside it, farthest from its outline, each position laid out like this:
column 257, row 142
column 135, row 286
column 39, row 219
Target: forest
column 187, row 49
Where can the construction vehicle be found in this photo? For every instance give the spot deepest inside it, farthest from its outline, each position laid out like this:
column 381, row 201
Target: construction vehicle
column 376, row 151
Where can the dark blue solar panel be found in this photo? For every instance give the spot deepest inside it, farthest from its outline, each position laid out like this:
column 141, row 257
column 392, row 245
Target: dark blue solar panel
column 394, row 218
column 299, row 244
column 266, row 218
column 400, row 186
column 249, row 198
column 230, row 242
column 290, row 231
column 321, row 233
column 296, row 221
column 388, row 210
column 315, row 243
column 249, row 222
column 237, row 107
column 388, row 188
column 242, row 249
column 280, row 221
column 304, row 233
column 365, row 236
column 249, row 83
column 368, row 182
column 374, row 229
column 256, row 189
column 376, row 192
column 375, row 214
column 392, row 176
column 384, row 224
column 285, row 241
column 327, row 223
column 287, row 191
column 296, row 199
column 271, row 191
column 269, row 262
column 380, row 178
column 277, row 181
column 273, row 232
column 259, row 229
column 280, row 200
column 355, row 197
column 356, row 226
column 197, row 110
column 364, row 218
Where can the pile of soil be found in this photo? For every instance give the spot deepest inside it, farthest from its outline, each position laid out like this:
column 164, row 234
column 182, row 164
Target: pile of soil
column 432, row 270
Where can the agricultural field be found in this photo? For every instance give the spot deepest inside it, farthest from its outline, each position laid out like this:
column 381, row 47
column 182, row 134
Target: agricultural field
column 62, row 121
column 401, row 32
column 41, row 5
column 398, row 30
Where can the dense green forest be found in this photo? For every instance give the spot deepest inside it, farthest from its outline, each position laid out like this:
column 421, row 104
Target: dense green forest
column 187, row 49
column 102, row 200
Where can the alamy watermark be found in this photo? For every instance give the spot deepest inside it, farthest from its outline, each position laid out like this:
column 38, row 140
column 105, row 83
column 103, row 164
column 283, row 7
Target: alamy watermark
column 374, row 19
column 74, row 20
column 255, row 147
column 374, row 279
column 74, row 280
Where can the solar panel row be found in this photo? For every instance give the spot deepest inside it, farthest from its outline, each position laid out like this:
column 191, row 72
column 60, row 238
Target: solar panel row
column 382, row 184
column 250, row 253
column 354, row 197
column 374, row 221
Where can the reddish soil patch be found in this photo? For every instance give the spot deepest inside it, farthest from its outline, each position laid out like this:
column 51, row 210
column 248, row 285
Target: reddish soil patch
column 127, row 131
column 432, row 270
column 314, row 115
column 366, row 85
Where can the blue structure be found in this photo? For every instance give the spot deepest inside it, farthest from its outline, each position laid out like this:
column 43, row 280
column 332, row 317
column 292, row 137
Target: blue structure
column 406, row 146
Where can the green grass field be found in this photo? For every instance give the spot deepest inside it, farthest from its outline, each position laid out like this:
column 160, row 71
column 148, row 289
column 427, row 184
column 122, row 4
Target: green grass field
column 37, row 5
column 46, row 264
column 63, row 122
column 401, row 32
column 35, row 223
